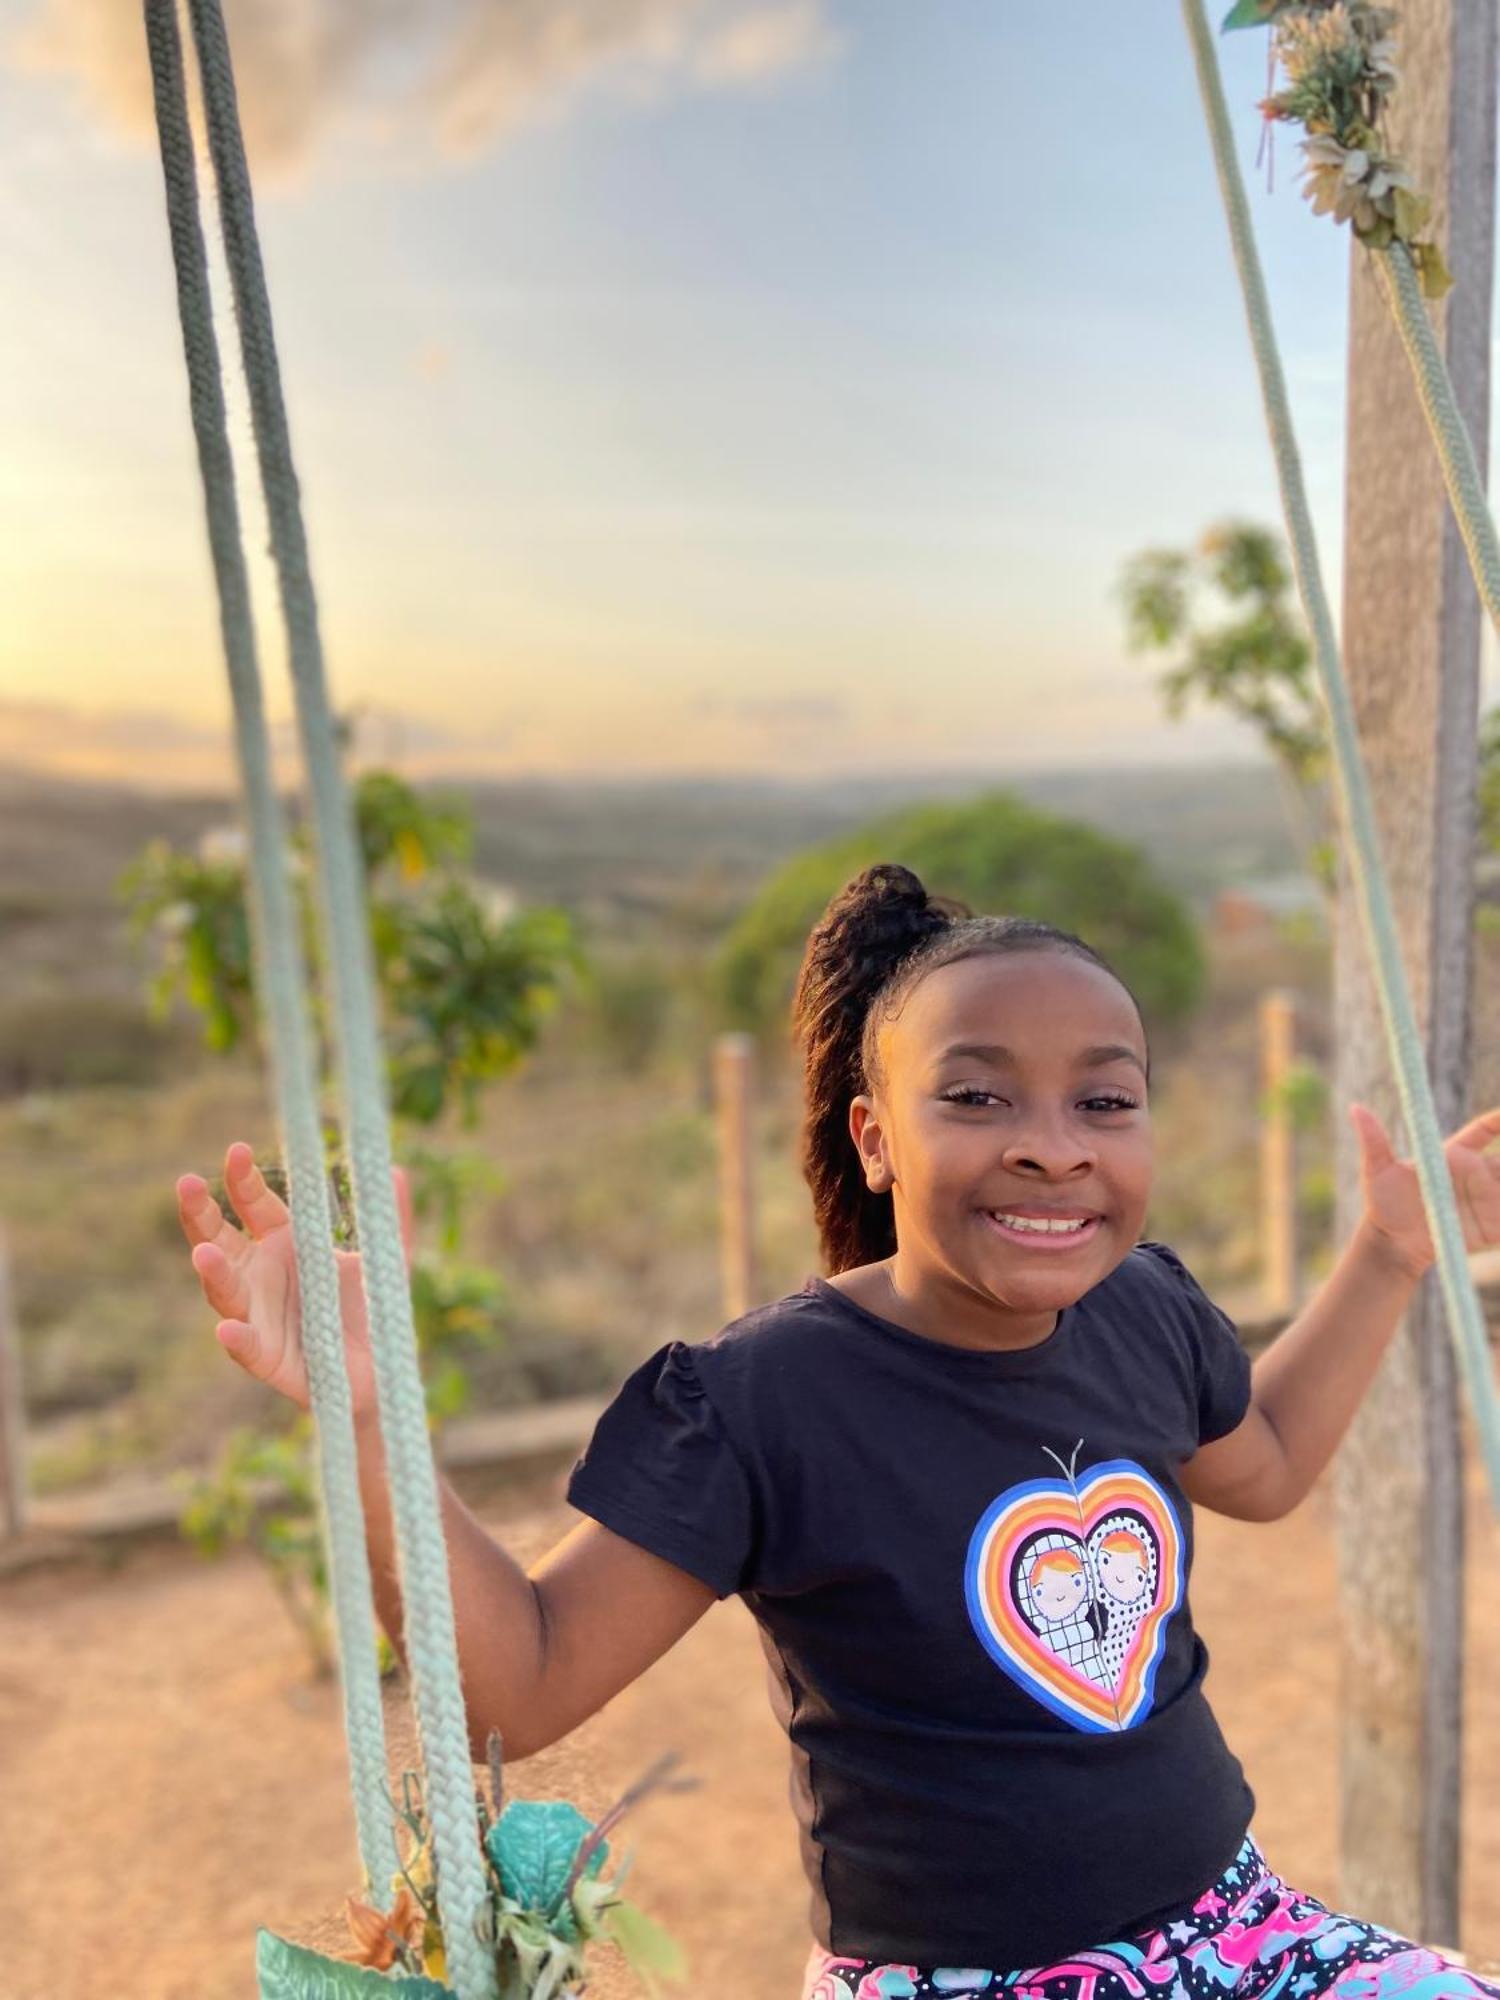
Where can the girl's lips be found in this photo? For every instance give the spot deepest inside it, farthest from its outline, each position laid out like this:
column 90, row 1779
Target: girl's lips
column 1054, row 1240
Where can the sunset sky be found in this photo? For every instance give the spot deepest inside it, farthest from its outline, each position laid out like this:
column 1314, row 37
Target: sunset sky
column 676, row 384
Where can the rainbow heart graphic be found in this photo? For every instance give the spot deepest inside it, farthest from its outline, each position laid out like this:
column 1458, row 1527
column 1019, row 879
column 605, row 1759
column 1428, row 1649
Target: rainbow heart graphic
column 1070, row 1584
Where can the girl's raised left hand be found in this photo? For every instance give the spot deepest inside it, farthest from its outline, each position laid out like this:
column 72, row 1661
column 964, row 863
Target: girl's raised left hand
column 1393, row 1198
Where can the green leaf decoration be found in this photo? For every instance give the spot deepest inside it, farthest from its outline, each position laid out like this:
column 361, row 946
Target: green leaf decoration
column 1250, row 14
column 533, row 1846
column 649, row 1951
column 591, row 1901
column 289, row 1972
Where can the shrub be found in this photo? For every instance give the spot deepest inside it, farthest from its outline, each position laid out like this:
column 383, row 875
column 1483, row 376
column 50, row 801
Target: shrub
column 1000, row 857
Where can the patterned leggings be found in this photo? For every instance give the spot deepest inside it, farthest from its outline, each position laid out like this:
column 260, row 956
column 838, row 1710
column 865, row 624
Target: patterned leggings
column 1247, row 1935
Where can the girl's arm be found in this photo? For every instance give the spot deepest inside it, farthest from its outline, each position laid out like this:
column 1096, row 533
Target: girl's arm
column 1307, row 1386
column 537, row 1653
column 541, row 1652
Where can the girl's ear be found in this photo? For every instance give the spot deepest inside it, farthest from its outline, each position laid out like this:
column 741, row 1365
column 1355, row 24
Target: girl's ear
column 869, row 1142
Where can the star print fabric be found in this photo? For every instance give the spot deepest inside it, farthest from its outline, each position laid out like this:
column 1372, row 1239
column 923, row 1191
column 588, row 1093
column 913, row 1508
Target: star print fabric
column 1249, row 1935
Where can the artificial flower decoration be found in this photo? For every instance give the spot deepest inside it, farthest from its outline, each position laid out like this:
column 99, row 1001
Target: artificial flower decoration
column 550, row 1902
column 1338, row 59
column 378, row 1938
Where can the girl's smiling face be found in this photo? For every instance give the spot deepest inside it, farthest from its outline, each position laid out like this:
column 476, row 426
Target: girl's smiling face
column 1008, row 1120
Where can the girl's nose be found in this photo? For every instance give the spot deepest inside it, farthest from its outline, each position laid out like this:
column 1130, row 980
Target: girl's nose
column 1056, row 1155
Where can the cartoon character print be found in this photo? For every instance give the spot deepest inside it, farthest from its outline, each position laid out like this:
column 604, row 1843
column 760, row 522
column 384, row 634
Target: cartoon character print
column 1056, row 1593
column 1070, row 1585
column 1124, row 1558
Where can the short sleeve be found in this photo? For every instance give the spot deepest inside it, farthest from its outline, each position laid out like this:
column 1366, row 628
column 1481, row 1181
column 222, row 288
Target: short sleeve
column 661, row 1472
column 1221, row 1367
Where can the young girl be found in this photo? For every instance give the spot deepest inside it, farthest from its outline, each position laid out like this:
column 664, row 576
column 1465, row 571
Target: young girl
column 953, row 1481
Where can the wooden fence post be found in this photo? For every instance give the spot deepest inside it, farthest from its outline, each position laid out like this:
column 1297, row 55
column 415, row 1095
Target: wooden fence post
column 734, row 1057
column 12, row 1413
column 1278, row 1155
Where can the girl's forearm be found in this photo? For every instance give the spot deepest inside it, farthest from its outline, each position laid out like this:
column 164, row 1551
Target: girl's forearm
column 1312, row 1378
column 495, row 1604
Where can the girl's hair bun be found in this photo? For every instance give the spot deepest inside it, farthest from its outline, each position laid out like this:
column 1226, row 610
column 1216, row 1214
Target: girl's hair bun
column 882, row 915
column 893, row 897
column 874, row 923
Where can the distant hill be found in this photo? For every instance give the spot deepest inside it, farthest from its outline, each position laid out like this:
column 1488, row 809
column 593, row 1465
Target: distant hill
column 685, row 851
column 669, row 861
column 639, row 846
column 697, row 848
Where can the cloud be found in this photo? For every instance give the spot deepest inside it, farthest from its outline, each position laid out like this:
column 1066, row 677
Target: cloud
column 454, row 75
column 159, row 751
column 765, row 43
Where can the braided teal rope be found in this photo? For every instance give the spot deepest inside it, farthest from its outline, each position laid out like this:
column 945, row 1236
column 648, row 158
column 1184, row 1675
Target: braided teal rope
column 462, row 1888
column 1465, row 1318
column 281, row 979
column 1450, row 434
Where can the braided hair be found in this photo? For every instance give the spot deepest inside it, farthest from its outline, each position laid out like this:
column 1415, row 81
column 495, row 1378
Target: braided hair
column 881, row 934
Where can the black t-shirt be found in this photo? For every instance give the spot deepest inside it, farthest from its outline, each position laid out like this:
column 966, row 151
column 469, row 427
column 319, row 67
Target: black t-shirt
column 970, row 1573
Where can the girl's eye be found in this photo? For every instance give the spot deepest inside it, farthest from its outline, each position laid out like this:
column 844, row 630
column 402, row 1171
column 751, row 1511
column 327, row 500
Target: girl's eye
column 970, row 1094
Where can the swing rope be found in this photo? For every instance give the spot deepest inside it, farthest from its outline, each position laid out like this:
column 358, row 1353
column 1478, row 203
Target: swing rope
column 462, row 1888
column 1362, row 844
column 281, row 978
column 1450, row 434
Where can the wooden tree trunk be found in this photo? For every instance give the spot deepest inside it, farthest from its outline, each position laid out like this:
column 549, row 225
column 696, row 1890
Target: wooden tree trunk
column 1411, row 639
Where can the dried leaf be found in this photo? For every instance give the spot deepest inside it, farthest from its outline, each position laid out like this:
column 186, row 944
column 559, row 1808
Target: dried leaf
column 378, row 1936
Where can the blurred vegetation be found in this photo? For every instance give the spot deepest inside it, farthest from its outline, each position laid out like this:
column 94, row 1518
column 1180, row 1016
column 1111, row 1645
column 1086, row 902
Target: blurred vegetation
column 1226, row 615
column 465, row 980
column 994, row 854
column 1227, row 611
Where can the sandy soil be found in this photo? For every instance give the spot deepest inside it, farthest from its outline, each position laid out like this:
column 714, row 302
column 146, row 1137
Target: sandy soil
column 169, row 1779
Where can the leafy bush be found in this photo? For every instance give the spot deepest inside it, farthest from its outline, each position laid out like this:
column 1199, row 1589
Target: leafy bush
column 999, row 856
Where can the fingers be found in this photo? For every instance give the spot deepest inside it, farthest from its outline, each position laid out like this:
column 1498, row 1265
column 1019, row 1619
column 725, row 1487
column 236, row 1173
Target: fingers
column 239, row 1341
column 223, row 1284
column 202, row 1219
column 1479, row 1132
column 254, row 1204
column 1374, row 1141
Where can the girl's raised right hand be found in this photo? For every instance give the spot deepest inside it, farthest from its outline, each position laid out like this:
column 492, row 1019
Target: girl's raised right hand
column 249, row 1277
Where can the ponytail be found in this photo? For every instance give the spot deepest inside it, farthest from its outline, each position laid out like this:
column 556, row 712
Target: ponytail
column 867, row 932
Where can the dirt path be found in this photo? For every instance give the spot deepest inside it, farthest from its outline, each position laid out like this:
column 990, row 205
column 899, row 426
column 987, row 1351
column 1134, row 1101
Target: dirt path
column 169, row 1780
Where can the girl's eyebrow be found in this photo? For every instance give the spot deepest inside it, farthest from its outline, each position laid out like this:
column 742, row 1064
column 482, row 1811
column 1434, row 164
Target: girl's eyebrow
column 997, row 1053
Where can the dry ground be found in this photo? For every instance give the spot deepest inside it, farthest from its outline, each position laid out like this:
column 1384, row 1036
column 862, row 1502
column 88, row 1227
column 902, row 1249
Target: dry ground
column 171, row 1779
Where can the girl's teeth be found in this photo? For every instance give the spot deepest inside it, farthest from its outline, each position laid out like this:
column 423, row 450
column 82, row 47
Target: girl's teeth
column 1037, row 1223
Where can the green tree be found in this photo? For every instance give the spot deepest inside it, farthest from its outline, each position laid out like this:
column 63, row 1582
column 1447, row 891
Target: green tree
column 995, row 854
column 1227, row 614
column 465, row 981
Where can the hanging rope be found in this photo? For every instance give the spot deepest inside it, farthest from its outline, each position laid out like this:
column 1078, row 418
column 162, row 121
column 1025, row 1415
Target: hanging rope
column 1465, row 1316
column 281, row 980
column 1450, row 434
column 462, row 1889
